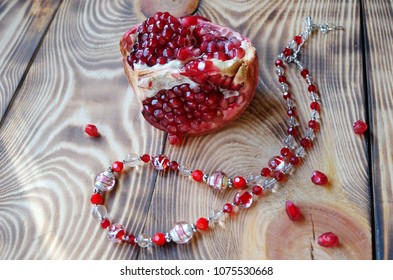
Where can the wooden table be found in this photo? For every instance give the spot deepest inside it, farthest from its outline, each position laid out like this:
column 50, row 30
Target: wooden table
column 61, row 68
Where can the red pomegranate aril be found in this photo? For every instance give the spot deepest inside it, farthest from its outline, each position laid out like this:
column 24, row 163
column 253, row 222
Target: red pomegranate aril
column 293, row 211
column 97, row 199
column 159, row 239
column 91, row 130
column 175, row 139
column 183, row 54
column 202, row 224
column 298, row 39
column 117, row 166
column 145, row 158
column 286, row 152
column 197, row 175
column 105, row 223
column 319, row 178
column 257, row 190
column 305, row 143
column 360, row 127
column 279, row 63
column 312, row 88
column 266, row 172
column 239, row 182
column 328, row 239
column 227, row 208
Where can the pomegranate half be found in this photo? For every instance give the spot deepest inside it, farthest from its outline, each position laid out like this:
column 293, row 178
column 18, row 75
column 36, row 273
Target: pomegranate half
column 191, row 75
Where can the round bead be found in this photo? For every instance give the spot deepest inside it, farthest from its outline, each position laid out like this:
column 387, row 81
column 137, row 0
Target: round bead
column 287, row 52
column 130, row 239
column 294, row 160
column 285, row 152
column 173, row 165
column 227, row 208
column 265, row 172
column 243, row 199
column 279, row 63
column 257, row 190
column 282, row 79
column 218, row 181
column 97, row 198
column 159, row 239
column 115, row 232
column 292, row 130
column 91, row 130
column 315, row 106
column 291, row 112
column 197, row 175
column 239, row 182
column 117, row 166
column 105, row 223
column 306, row 143
column 360, row 127
column 160, row 162
column 298, row 39
column 312, row 88
column 279, row 176
column 304, row 73
column 277, row 163
column 99, row 212
column 181, row 233
column 145, row 158
column 313, row 124
column 286, row 95
column 202, row 224
column 143, row 240
column 105, row 181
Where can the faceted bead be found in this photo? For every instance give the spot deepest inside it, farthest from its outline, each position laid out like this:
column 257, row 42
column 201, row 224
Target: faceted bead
column 202, row 224
column 97, row 199
column 181, row 233
column 173, row 165
column 304, row 73
column 143, row 240
column 286, row 95
column 309, row 80
column 279, row 62
column 130, row 239
column 298, row 39
column 218, row 180
column 287, row 168
column 105, row 181
column 292, row 121
column 160, row 162
column 309, row 133
column 285, row 152
column 287, row 52
column 289, row 141
column 216, row 216
column 243, row 199
column 282, row 79
column 257, row 190
column 91, row 130
column 159, row 239
column 105, row 223
column 184, row 171
column 227, row 208
column 117, row 166
column 290, row 104
column 360, row 127
column 279, row 176
column 145, row 158
column 114, row 232
column 197, row 175
column 99, row 212
column 293, row 211
column 328, row 239
column 314, row 115
column 284, row 87
column 277, row 163
column 315, row 106
column 294, row 160
column 254, row 179
column 305, row 143
column 269, row 183
column 300, row 152
column 292, row 45
column 319, row 178
column 279, row 71
column 314, row 96
column 265, row 172
column 312, row 88
column 239, row 182
column 132, row 160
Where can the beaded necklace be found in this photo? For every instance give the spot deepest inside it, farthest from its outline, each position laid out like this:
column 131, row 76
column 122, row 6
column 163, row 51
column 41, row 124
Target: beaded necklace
column 248, row 189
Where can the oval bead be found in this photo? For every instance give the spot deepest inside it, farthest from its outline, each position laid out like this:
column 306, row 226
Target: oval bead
column 113, row 231
column 105, row 181
column 132, row 160
column 277, row 163
column 160, row 162
column 181, row 233
column 143, row 240
column 218, row 181
column 99, row 212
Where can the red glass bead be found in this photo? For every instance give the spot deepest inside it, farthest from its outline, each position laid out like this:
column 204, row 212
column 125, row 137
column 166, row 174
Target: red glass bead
column 291, row 112
column 315, row 106
column 120, row 234
column 304, row 73
column 257, row 190
column 227, row 208
column 265, row 172
column 305, row 143
column 292, row 130
column 197, row 175
column 97, row 198
column 328, row 239
column 319, row 178
column 313, row 124
column 105, row 223
column 239, row 182
column 202, row 224
column 312, row 88
column 131, row 239
column 145, row 158
column 91, row 130
column 293, row 211
column 117, row 166
column 287, row 52
column 360, row 127
column 294, row 160
column 286, row 152
column 298, row 39
column 279, row 62
column 159, row 239
column 286, row 95
column 277, row 163
column 282, row 79
column 243, row 199
column 173, row 165
column 279, row 176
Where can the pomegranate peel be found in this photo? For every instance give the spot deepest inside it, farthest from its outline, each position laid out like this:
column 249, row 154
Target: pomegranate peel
column 192, row 76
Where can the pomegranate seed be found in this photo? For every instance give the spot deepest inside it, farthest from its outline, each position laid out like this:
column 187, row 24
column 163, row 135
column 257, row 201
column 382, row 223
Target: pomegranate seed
column 279, row 63
column 257, row 190
column 298, row 39
column 319, row 178
column 197, row 175
column 293, row 211
column 304, row 73
column 265, row 172
column 183, row 54
column 105, row 223
column 97, row 199
column 159, row 239
column 117, row 166
column 306, row 143
column 279, row 176
column 360, row 127
column 328, row 239
column 312, row 88
column 239, row 182
column 175, row 139
column 91, row 130
column 145, row 158
column 202, row 224
column 287, row 52
column 286, row 152
column 227, row 208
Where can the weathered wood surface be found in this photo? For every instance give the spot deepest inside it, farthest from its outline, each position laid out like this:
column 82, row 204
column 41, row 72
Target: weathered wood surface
column 48, row 164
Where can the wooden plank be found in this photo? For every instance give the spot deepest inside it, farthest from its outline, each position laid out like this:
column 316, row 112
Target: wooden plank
column 379, row 34
column 22, row 25
column 48, row 164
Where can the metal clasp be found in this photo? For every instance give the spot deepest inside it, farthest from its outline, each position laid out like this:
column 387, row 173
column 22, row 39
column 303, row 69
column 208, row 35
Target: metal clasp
column 323, row 27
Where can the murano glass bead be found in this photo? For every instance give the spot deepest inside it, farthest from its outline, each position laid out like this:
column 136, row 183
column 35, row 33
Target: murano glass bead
column 105, row 181
column 277, row 163
column 243, row 199
column 218, row 181
column 143, row 240
column 181, row 233
column 115, row 232
column 99, row 212
column 160, row 162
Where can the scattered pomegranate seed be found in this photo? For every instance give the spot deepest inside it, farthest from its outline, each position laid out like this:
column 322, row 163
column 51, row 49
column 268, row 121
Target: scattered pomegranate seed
column 360, row 127
column 197, row 175
column 239, row 182
column 328, row 239
column 159, row 239
column 97, row 199
column 319, row 178
column 117, row 166
column 293, row 211
column 91, row 130
column 202, row 224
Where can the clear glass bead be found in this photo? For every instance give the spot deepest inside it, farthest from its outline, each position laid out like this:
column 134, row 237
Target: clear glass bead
column 309, row 79
column 290, row 103
column 184, row 171
column 314, row 96
column 310, row 133
column 289, row 141
column 292, row 121
column 218, row 181
column 284, row 87
column 254, row 179
column 99, row 212
column 269, row 183
column 181, row 233
column 292, row 45
column 143, row 240
column 287, row 168
column 243, row 199
column 300, row 152
column 216, row 216
column 279, row 70
column 314, row 115
column 112, row 232
column 300, row 65
column 132, row 160
column 105, row 181
column 281, row 56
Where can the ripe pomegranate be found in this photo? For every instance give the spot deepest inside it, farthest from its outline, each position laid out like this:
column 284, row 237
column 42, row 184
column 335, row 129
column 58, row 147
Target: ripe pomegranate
column 192, row 76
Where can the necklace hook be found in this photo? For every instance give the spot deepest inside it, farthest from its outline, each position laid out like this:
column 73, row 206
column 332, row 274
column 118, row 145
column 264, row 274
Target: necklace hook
column 323, row 27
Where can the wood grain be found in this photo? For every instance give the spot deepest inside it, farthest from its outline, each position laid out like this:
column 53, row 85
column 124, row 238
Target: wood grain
column 48, row 164
column 378, row 35
column 22, row 25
